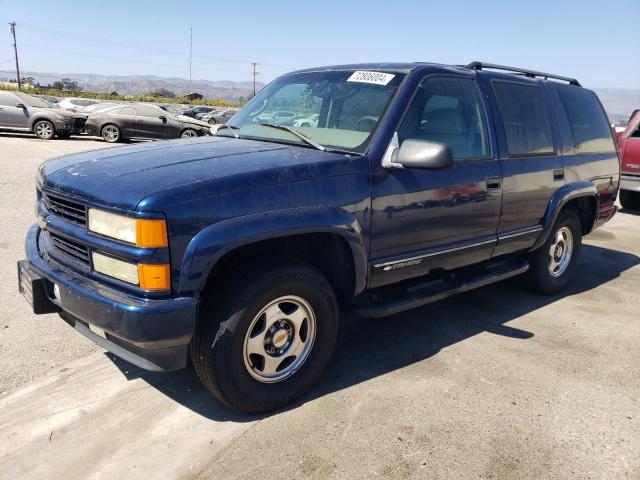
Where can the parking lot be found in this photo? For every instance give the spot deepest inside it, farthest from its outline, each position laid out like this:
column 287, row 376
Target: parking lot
column 495, row 383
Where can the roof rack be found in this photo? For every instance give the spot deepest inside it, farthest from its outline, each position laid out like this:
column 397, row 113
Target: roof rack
column 527, row 73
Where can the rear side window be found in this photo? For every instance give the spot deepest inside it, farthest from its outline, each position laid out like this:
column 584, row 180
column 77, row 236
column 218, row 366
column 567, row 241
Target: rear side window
column 526, row 119
column 588, row 123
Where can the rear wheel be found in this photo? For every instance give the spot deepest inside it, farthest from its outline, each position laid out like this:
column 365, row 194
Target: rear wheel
column 629, row 199
column 263, row 343
column 189, row 133
column 44, row 129
column 555, row 262
column 111, row 133
column 212, row 121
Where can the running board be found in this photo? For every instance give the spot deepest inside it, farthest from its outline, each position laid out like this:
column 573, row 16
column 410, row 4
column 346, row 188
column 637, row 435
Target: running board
column 439, row 290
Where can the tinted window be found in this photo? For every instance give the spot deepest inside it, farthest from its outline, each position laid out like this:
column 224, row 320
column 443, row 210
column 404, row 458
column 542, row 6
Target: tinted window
column 147, row 112
column 447, row 110
column 589, row 125
column 525, row 115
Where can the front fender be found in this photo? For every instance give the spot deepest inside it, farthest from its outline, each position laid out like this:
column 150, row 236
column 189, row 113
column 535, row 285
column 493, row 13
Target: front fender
column 215, row 241
column 560, row 198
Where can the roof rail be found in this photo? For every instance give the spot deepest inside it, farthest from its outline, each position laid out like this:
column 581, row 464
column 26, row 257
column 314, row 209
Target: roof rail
column 527, row 73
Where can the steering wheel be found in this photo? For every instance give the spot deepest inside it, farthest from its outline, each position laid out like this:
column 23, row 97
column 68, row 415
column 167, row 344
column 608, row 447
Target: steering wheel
column 366, row 123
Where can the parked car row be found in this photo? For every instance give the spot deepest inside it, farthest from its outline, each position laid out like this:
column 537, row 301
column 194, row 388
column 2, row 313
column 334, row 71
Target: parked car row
column 629, row 153
column 124, row 122
column 48, row 117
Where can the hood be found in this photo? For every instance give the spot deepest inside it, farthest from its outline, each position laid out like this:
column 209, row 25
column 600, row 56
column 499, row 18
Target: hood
column 174, row 170
column 192, row 121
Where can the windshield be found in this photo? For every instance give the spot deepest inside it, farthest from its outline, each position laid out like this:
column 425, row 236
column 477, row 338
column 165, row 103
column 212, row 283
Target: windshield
column 339, row 110
column 31, row 101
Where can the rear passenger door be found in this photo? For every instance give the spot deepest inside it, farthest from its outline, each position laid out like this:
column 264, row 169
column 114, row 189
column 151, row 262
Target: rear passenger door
column 10, row 115
column 531, row 158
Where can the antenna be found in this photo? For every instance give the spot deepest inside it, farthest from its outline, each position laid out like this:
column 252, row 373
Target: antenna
column 254, row 64
column 190, row 55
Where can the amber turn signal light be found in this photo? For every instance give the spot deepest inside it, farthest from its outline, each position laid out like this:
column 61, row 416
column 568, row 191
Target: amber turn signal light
column 154, row 277
column 151, row 233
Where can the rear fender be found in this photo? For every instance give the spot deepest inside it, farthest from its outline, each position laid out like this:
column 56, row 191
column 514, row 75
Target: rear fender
column 560, row 198
column 215, row 241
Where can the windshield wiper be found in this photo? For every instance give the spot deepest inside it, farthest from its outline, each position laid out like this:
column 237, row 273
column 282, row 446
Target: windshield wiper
column 230, row 127
column 301, row 136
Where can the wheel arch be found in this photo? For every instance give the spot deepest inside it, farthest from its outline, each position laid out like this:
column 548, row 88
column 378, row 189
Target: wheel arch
column 328, row 238
column 581, row 196
column 38, row 118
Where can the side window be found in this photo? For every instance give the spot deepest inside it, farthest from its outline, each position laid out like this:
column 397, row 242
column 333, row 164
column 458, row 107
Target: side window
column 127, row 111
column 7, row 100
column 147, row 112
column 448, row 110
column 588, row 123
column 526, row 119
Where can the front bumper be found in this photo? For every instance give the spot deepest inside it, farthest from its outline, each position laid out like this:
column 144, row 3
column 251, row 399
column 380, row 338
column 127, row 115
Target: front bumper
column 630, row 182
column 153, row 334
column 74, row 126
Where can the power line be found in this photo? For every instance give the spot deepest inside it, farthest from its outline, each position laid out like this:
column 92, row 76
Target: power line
column 190, row 55
column 137, row 47
column 12, row 26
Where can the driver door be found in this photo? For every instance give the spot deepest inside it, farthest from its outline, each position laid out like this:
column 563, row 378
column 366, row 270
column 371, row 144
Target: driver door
column 438, row 219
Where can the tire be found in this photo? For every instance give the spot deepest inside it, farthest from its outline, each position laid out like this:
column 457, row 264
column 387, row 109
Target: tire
column 555, row 262
column 189, row 133
column 630, row 200
column 44, row 129
column 212, row 121
column 234, row 322
column 111, row 133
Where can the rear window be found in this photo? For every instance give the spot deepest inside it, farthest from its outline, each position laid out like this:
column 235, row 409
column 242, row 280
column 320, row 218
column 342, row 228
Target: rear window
column 588, row 123
column 525, row 116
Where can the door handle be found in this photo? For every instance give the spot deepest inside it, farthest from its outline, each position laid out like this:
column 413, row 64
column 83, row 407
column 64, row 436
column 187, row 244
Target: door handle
column 558, row 174
column 494, row 183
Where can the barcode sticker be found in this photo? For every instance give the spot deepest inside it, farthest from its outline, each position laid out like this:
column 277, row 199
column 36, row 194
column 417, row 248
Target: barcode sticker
column 375, row 78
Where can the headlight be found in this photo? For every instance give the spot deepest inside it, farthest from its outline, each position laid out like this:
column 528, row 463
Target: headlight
column 62, row 118
column 125, row 271
column 136, row 231
column 148, row 277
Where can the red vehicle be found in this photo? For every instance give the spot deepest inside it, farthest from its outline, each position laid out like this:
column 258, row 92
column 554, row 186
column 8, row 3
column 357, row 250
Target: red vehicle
column 629, row 153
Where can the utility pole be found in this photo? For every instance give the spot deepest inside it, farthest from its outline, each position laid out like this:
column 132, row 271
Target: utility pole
column 12, row 26
column 190, row 55
column 254, row 64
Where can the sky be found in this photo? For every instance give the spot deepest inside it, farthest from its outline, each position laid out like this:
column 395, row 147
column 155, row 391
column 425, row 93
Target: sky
column 596, row 41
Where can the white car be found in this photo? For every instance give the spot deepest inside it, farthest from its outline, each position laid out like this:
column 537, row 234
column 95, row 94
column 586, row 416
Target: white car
column 76, row 104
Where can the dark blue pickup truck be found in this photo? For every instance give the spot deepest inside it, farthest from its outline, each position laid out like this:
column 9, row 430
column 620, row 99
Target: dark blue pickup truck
column 379, row 187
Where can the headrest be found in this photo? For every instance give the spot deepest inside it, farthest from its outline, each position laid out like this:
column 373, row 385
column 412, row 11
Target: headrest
column 445, row 121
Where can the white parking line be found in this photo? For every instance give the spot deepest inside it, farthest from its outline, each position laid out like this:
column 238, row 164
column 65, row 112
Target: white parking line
column 50, row 149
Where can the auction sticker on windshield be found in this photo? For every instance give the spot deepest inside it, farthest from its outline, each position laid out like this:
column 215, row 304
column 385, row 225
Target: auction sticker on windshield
column 375, row 78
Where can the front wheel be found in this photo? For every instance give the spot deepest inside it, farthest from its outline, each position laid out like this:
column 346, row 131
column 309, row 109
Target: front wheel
column 263, row 343
column 111, row 134
column 189, row 133
column 555, row 262
column 44, row 130
column 629, row 199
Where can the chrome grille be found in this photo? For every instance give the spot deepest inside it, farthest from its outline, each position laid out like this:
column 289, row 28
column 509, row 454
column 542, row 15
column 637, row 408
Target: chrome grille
column 67, row 209
column 70, row 247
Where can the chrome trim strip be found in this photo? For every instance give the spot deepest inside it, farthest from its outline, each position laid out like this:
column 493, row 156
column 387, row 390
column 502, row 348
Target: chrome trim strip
column 535, row 229
column 432, row 254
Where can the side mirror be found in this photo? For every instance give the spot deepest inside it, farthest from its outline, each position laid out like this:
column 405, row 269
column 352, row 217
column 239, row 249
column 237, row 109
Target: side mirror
column 163, row 118
column 423, row 154
column 20, row 105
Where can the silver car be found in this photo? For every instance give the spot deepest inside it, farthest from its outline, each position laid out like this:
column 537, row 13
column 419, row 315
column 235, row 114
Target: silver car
column 26, row 112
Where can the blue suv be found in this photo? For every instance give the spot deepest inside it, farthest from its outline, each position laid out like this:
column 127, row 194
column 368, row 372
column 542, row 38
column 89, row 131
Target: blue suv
column 416, row 182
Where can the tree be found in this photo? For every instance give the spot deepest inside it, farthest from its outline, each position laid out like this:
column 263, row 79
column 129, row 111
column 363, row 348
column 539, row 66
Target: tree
column 162, row 92
column 67, row 84
column 28, row 80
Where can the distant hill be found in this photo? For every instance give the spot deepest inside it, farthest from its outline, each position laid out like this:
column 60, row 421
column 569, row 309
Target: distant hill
column 618, row 103
column 139, row 84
